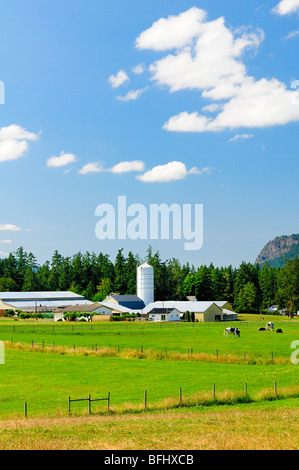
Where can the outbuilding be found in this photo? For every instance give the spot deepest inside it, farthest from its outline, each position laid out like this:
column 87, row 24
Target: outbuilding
column 164, row 314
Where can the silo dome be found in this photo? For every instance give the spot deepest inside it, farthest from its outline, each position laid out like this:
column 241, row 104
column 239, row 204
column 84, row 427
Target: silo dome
column 145, row 283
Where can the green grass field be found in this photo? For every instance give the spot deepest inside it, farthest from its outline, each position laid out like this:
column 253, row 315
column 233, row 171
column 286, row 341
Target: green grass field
column 46, row 377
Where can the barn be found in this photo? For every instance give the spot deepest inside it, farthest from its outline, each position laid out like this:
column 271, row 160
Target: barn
column 47, row 301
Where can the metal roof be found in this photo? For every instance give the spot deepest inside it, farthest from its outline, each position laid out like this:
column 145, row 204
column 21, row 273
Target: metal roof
column 46, row 295
column 47, row 303
column 196, row 307
column 132, row 302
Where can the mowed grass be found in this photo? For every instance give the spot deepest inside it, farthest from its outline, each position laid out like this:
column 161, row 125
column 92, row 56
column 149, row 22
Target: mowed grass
column 45, row 378
column 200, row 337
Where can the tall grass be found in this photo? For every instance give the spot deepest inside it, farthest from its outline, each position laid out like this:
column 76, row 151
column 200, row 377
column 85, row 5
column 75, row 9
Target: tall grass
column 131, row 353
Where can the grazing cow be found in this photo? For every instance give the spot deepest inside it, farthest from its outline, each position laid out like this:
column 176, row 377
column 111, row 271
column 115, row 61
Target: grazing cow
column 279, row 330
column 270, row 326
column 262, row 329
column 233, row 331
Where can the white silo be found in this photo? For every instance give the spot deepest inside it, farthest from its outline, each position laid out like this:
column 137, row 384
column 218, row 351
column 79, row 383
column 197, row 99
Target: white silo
column 145, row 283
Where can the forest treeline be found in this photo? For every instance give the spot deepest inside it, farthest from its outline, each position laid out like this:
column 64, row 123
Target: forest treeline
column 249, row 288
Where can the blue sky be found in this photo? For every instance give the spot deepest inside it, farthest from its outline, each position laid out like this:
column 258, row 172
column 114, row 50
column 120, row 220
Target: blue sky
column 208, row 86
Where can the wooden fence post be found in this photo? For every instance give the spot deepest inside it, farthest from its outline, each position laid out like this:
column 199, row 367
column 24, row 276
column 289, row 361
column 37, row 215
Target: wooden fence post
column 108, row 402
column 214, row 390
column 180, row 395
column 25, row 409
column 145, row 398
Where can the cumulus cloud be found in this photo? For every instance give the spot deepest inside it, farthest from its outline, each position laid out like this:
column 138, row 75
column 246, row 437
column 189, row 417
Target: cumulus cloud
column 207, row 56
column 126, row 167
column 9, row 228
column 95, row 167
column 14, row 142
column 63, row 160
column 286, row 7
column 132, row 95
column 119, row 79
column 119, row 168
column 172, row 171
column 172, row 32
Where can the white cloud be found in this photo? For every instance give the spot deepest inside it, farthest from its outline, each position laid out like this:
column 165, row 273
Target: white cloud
column 9, row 228
column 285, row 7
column 16, row 132
column 3, row 253
column 91, row 168
column 256, row 104
column 119, row 168
column 119, row 79
column 238, row 137
column 212, row 108
column 172, row 171
column 132, row 95
column 197, row 171
column 173, row 32
column 126, row 167
column 5, row 242
column 63, row 160
column 292, row 35
column 212, row 60
column 139, row 69
column 207, row 57
column 14, row 142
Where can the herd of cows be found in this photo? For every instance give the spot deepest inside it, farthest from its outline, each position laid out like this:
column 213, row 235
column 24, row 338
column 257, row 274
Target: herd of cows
column 236, row 331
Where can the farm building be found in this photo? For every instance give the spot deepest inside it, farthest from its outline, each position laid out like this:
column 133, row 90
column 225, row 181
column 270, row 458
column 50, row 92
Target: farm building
column 164, row 314
column 203, row 311
column 224, row 304
column 40, row 301
column 130, row 302
column 101, row 308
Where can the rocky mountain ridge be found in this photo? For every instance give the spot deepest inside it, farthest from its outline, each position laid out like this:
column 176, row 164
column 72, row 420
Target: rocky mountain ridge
column 280, row 248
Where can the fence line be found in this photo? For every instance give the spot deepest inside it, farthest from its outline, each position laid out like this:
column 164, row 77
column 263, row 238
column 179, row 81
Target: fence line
column 145, row 399
column 90, row 400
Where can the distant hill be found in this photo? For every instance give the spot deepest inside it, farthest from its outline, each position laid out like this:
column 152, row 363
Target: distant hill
column 279, row 249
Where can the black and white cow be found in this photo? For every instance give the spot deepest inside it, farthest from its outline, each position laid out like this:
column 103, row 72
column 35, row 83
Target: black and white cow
column 270, row 326
column 233, row 331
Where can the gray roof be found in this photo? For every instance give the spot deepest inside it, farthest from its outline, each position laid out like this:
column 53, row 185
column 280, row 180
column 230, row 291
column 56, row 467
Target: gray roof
column 42, row 299
column 48, row 295
column 184, row 306
column 132, row 302
column 161, row 310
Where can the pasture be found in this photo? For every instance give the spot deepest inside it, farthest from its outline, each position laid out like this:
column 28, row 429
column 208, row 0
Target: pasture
column 178, row 365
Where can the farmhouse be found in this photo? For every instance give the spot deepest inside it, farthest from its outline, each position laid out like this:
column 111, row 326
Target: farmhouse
column 40, row 301
column 164, row 314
